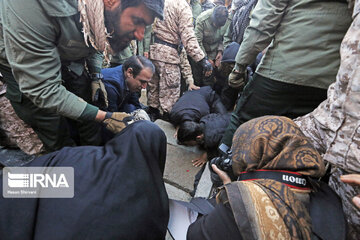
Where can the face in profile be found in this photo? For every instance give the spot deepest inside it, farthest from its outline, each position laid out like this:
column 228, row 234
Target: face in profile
column 135, row 84
column 126, row 25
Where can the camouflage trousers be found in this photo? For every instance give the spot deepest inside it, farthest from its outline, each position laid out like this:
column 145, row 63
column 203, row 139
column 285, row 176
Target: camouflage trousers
column 164, row 87
column 17, row 133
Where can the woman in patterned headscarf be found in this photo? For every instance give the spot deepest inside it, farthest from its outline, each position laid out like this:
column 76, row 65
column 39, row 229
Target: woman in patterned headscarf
column 274, row 162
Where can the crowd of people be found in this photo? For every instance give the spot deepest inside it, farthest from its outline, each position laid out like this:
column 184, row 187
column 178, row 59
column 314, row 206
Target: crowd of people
column 271, row 85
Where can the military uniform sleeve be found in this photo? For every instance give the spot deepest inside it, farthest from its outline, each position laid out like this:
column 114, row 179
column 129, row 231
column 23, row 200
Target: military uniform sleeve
column 227, row 37
column 30, row 43
column 187, row 35
column 185, row 68
column 199, row 33
column 147, row 38
column 94, row 62
column 264, row 22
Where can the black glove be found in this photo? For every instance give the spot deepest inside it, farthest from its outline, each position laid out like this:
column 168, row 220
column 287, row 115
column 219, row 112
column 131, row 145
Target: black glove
column 206, row 65
column 237, row 77
column 98, row 93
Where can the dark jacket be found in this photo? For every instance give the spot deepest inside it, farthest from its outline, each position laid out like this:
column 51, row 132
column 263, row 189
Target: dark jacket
column 119, row 192
column 214, row 126
column 119, row 96
column 194, row 105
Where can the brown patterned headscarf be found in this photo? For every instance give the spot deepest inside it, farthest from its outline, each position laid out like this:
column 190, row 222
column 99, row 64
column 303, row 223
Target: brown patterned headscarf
column 265, row 208
column 274, row 143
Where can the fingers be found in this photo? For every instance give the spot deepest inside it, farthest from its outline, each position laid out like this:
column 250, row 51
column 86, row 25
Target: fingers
column 198, row 162
column 223, row 175
column 208, row 73
column 351, row 179
column 356, row 201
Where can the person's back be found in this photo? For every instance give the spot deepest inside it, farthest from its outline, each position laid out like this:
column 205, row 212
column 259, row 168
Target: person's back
column 194, row 105
column 295, row 72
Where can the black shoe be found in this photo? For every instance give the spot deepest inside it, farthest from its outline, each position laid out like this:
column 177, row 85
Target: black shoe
column 166, row 117
column 153, row 113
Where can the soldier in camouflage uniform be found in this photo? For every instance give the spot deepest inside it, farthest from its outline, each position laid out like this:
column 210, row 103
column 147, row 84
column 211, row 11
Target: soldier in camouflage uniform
column 186, row 72
column 334, row 125
column 176, row 28
column 17, row 133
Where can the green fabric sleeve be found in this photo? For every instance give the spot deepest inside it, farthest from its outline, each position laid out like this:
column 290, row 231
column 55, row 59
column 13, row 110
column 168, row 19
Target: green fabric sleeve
column 34, row 58
column 147, row 38
column 89, row 113
column 94, row 62
column 199, row 33
column 265, row 19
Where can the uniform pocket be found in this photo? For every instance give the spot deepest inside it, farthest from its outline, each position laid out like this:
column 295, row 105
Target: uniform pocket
column 172, row 78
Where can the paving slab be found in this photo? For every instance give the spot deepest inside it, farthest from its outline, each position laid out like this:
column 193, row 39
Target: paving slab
column 179, row 171
column 204, row 187
column 176, row 193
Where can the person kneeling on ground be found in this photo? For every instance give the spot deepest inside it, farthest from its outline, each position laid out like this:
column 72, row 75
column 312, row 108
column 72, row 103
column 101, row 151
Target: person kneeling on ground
column 276, row 195
column 207, row 133
column 123, row 83
column 119, row 192
column 194, row 105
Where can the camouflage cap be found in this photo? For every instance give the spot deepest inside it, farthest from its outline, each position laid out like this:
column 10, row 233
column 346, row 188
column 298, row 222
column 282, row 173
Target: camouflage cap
column 157, row 6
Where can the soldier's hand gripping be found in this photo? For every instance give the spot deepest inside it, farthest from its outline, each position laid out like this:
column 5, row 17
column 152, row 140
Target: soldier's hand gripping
column 237, row 77
column 117, row 121
column 98, row 91
column 207, row 67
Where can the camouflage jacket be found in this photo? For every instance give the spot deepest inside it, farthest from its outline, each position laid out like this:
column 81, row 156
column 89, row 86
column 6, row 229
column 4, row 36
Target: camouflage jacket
column 334, row 126
column 176, row 28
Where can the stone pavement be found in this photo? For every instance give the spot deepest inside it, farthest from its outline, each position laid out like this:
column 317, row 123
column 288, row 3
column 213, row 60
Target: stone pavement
column 179, row 172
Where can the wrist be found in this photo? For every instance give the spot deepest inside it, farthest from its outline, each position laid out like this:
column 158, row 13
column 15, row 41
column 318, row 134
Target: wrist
column 100, row 116
column 239, row 68
column 96, row 76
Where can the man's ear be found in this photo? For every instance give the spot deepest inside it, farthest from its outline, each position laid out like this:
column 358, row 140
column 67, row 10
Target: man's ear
column 199, row 137
column 129, row 72
column 111, row 4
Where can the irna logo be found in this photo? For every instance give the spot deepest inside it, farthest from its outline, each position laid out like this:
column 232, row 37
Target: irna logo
column 34, row 180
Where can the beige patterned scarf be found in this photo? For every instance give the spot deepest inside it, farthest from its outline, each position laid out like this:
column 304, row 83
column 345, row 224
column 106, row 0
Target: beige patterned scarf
column 92, row 19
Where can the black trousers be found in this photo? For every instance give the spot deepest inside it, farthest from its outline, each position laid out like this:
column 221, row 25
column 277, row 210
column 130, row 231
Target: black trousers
column 264, row 96
column 54, row 130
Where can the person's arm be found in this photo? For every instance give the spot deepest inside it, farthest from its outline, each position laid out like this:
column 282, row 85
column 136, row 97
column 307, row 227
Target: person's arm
column 187, row 34
column 146, row 41
column 186, row 72
column 264, row 22
column 31, row 49
column 265, row 19
column 199, row 33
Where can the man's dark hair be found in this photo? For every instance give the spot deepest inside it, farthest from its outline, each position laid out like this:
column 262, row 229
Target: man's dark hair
column 156, row 6
column 138, row 63
column 188, row 131
column 219, row 15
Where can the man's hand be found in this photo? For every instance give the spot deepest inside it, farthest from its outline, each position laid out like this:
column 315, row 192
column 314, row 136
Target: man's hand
column 98, row 93
column 353, row 179
column 223, row 175
column 117, row 121
column 237, row 77
column 218, row 59
column 193, row 87
column 207, row 67
column 198, row 162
